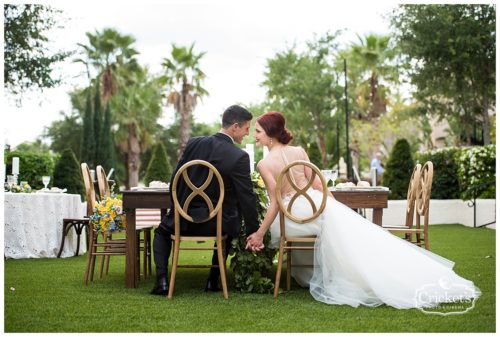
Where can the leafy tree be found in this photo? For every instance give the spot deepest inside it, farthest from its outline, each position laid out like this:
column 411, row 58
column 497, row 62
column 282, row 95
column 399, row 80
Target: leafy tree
column 450, row 54
column 65, row 133
column 304, row 87
column 67, row 173
column 159, row 168
column 184, row 78
column 35, row 147
column 398, row 170
column 27, row 61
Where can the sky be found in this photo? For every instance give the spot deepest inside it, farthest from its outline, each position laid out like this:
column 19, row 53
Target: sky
column 237, row 37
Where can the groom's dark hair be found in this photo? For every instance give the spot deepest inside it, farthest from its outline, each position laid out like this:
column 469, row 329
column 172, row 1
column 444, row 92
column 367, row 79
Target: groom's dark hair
column 235, row 114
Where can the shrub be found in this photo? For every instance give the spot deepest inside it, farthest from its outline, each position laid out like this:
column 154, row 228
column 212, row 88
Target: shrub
column 158, row 168
column 398, row 170
column 445, row 180
column 67, row 173
column 32, row 166
column 476, row 172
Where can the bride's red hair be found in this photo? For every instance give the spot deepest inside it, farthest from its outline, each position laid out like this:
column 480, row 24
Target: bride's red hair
column 273, row 124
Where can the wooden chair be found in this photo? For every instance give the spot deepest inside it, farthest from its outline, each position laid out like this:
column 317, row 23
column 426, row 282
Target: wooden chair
column 96, row 248
column 286, row 241
column 181, row 211
column 418, row 197
column 141, row 227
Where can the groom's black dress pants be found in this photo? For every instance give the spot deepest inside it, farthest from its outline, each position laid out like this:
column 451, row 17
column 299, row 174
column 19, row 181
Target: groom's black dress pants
column 162, row 246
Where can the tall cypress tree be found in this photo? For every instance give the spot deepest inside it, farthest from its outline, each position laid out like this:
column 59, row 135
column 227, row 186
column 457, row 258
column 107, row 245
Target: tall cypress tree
column 159, row 168
column 67, row 173
column 106, row 151
column 97, row 122
column 398, row 170
column 88, row 140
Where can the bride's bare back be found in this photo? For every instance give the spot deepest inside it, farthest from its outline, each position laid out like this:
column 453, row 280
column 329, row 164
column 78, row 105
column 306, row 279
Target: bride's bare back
column 276, row 160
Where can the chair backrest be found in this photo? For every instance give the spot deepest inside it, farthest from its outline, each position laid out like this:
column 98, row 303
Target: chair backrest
column 424, row 192
column 89, row 188
column 287, row 210
column 182, row 210
column 102, row 182
column 411, row 195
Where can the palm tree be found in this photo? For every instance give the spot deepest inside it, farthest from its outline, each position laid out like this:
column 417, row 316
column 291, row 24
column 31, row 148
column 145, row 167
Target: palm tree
column 184, row 77
column 371, row 63
column 105, row 53
column 138, row 107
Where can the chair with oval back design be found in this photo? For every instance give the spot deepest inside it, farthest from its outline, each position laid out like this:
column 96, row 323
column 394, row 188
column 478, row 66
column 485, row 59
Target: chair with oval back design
column 286, row 241
column 182, row 211
column 418, row 199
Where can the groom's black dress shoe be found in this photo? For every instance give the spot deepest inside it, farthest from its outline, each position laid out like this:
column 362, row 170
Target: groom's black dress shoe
column 161, row 287
column 212, row 285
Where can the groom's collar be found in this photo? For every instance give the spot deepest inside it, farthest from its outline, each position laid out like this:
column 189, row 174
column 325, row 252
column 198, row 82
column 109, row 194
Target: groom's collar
column 225, row 135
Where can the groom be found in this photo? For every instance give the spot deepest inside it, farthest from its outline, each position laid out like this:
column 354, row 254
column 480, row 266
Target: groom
column 239, row 199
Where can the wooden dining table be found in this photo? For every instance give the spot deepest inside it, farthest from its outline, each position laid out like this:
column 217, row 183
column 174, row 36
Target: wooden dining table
column 160, row 199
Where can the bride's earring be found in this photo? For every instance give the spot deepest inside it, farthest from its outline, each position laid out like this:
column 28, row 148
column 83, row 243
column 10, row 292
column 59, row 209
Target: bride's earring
column 271, row 143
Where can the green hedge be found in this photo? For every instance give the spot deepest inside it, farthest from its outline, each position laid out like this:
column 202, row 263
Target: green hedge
column 462, row 172
column 32, row 166
column 476, row 171
column 445, row 180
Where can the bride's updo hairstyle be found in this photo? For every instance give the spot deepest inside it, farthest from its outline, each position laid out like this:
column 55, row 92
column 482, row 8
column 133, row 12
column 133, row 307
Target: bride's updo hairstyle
column 273, row 124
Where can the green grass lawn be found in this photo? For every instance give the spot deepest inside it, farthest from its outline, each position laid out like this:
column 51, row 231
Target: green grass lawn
column 49, row 296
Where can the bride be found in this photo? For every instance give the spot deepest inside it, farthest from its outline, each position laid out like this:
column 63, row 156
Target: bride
column 356, row 262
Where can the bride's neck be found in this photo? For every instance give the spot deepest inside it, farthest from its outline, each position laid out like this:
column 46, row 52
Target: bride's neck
column 276, row 147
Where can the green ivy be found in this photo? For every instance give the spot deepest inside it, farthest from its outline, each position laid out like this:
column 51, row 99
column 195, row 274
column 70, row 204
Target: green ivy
column 252, row 270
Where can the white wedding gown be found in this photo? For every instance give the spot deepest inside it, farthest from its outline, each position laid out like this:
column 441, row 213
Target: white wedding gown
column 358, row 262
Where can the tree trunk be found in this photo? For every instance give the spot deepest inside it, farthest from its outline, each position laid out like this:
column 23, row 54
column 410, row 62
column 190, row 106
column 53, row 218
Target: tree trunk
column 133, row 157
column 486, row 121
column 185, row 122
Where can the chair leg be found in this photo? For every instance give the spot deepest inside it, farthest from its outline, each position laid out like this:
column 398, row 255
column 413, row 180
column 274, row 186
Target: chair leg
column 174, row 269
column 288, row 266
column 149, row 253
column 103, row 258
column 222, row 267
column 89, row 261
column 145, row 254
column 64, row 233
column 278, row 270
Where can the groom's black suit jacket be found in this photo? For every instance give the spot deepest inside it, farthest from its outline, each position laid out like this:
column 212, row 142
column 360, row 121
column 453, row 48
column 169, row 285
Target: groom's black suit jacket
column 233, row 165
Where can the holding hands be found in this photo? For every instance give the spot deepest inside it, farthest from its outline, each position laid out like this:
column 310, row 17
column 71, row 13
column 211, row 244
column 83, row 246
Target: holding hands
column 255, row 242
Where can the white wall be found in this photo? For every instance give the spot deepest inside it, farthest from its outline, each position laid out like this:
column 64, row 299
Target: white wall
column 442, row 212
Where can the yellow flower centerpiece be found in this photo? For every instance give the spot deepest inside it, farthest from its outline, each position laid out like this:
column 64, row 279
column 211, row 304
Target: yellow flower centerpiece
column 108, row 216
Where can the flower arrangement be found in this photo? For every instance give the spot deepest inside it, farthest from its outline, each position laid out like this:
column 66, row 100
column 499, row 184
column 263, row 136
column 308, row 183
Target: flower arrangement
column 251, row 270
column 476, row 172
column 108, row 216
column 23, row 188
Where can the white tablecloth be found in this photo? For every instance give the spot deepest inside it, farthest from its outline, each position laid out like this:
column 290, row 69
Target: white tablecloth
column 33, row 224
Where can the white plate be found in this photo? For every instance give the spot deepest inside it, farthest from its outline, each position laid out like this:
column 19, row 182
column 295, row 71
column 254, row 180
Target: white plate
column 150, row 189
column 360, row 188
